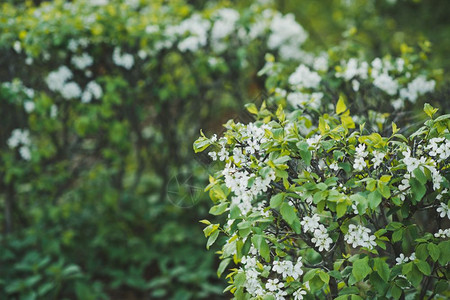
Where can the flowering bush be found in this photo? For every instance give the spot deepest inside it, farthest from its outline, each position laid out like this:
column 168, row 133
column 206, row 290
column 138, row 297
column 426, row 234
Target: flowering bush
column 375, row 90
column 337, row 212
column 100, row 102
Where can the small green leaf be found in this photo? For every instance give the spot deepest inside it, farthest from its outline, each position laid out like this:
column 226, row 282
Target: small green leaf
column 251, row 107
column 433, row 249
column 239, row 279
column 212, row 238
column 340, row 106
column 374, row 199
column 418, row 174
column 382, row 268
column 222, row 266
column 361, row 268
column 417, row 188
column 396, row 292
column 288, row 213
column 276, row 200
column 429, row 110
column 424, row 267
column 218, row 209
column 304, row 152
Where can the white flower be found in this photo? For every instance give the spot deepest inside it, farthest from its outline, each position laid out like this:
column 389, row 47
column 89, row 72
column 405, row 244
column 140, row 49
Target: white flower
column 29, row 106
column 29, row 60
column 287, row 36
column 299, row 99
column 442, row 233
column 298, row 294
column 310, row 224
column 213, row 155
column 443, row 210
column 70, row 90
column 355, row 85
column 313, row 141
column 55, row 80
column 274, row 284
column 321, row 238
column 83, row 61
column 303, row 77
column 223, row 27
column 334, row 166
column 17, row 47
column 92, row 90
column 377, row 158
column 19, row 136
column 25, row 152
column 401, row 259
column 412, row 256
column 386, row 83
column 416, row 88
column 360, row 150
column 125, row 60
column 197, row 28
column 360, row 236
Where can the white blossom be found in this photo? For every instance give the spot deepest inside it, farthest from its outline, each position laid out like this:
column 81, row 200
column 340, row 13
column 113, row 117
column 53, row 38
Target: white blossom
column 303, row 77
column 442, row 233
column 401, row 259
column 83, row 61
column 377, row 158
column 125, row 60
column 360, row 236
column 70, row 90
column 443, row 210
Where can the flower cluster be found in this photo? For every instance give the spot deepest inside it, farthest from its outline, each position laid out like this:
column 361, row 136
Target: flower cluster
column 337, row 188
column 125, row 60
column 21, row 138
column 401, row 259
column 321, row 238
column 360, row 236
column 360, row 163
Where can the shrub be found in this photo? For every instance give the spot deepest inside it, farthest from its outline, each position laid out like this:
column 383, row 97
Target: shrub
column 100, row 102
column 337, row 212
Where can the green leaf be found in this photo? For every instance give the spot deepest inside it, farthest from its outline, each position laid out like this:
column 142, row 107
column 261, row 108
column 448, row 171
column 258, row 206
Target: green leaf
column 340, row 106
column 444, row 249
column 218, row 209
column 276, row 200
column 341, row 209
column 441, row 286
column 288, row 213
column 417, row 188
column 324, row 276
column 382, row 268
column 201, row 144
column 424, row 267
column 251, row 107
column 392, row 226
column 222, row 266
column 429, row 110
column 433, row 249
column 304, row 152
column 418, row 174
column 396, row 292
column 397, row 235
column 361, row 268
column 407, row 268
column 212, row 238
column 421, row 251
column 260, row 243
column 239, row 279
column 374, row 199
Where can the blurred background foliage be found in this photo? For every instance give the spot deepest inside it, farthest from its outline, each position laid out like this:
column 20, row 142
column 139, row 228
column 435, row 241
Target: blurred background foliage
column 97, row 210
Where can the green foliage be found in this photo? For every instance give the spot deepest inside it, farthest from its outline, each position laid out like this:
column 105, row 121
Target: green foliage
column 372, row 230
